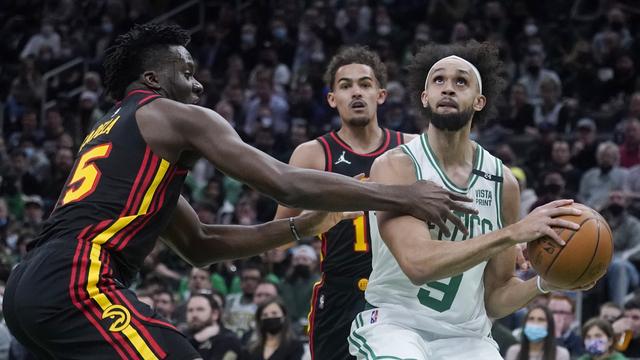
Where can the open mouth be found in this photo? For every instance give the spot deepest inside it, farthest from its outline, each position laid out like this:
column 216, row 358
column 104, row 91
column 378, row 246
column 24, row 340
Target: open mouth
column 447, row 103
column 358, row 104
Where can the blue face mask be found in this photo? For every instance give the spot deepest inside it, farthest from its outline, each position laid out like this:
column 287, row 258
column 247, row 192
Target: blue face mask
column 596, row 347
column 535, row 333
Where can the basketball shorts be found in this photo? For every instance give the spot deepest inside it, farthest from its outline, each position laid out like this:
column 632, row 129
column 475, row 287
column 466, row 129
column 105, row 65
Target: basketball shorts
column 63, row 302
column 373, row 336
column 334, row 305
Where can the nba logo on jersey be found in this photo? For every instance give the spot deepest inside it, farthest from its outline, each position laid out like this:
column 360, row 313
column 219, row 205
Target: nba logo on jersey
column 374, row 316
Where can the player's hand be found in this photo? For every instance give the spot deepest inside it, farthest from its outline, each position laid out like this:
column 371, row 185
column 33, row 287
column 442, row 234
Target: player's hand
column 541, row 221
column 522, row 263
column 311, row 223
column 551, row 287
column 430, row 202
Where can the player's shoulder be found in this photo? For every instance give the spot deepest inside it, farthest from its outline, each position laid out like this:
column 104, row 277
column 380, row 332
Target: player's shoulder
column 394, row 161
column 509, row 180
column 309, row 154
column 407, row 137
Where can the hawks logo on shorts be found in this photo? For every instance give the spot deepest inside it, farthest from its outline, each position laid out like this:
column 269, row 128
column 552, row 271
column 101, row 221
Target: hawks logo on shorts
column 374, row 316
column 121, row 316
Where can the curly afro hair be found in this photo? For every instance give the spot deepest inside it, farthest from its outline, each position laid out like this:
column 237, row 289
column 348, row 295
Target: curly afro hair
column 356, row 55
column 141, row 48
column 484, row 56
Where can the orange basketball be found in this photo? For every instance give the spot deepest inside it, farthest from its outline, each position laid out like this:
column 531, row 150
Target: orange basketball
column 584, row 258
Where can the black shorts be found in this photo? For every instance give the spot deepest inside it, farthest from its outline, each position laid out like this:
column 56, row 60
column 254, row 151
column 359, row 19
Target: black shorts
column 63, row 302
column 335, row 303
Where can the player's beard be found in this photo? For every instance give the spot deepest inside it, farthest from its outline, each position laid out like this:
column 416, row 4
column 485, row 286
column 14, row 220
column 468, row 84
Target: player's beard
column 450, row 122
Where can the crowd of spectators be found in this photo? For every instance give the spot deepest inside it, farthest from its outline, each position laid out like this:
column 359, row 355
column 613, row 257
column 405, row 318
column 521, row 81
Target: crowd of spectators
column 568, row 126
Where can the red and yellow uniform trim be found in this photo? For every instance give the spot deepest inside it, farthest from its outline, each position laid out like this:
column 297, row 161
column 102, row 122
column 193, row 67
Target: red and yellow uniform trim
column 92, row 288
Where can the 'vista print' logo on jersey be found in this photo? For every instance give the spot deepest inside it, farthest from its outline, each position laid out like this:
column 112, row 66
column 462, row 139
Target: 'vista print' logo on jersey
column 121, row 315
column 342, row 159
column 484, row 197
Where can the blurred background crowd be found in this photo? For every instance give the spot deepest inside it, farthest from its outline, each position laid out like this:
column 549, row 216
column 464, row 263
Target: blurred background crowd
column 568, row 126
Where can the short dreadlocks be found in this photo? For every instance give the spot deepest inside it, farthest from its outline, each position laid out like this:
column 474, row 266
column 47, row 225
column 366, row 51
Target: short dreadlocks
column 141, row 48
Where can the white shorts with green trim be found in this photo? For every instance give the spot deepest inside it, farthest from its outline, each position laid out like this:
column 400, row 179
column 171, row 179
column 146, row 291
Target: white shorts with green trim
column 373, row 337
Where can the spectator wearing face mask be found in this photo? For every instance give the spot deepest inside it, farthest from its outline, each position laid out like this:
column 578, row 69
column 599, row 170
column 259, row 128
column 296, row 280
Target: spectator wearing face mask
column 297, row 287
column 538, row 342
column 552, row 188
column 275, row 340
column 622, row 276
column 599, row 341
column 607, row 176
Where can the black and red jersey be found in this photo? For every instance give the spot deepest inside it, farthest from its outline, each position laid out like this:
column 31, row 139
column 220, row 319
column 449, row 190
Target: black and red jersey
column 346, row 249
column 119, row 195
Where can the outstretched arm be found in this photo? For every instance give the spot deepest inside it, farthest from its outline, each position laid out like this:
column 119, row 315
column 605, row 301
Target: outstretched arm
column 201, row 244
column 308, row 155
column 203, row 130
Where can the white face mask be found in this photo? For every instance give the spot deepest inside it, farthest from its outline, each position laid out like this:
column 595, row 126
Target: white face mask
column 383, row 29
column 530, row 29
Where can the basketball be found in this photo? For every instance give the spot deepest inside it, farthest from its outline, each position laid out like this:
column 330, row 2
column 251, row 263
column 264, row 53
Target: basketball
column 585, row 257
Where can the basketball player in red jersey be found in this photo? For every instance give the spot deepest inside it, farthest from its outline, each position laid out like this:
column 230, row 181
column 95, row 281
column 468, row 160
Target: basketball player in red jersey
column 69, row 297
column 357, row 78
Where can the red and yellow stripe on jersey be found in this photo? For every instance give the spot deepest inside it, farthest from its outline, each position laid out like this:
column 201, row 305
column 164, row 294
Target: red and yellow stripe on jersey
column 92, row 288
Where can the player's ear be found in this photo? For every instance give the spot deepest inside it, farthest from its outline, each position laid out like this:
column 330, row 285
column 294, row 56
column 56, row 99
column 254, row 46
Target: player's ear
column 150, row 79
column 331, row 99
column 479, row 102
column 424, row 99
column 382, row 96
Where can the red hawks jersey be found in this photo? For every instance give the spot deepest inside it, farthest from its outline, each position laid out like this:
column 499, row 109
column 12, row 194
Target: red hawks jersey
column 120, row 195
column 346, row 250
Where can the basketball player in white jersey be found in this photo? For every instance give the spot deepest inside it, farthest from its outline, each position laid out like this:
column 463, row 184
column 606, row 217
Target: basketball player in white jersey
column 431, row 296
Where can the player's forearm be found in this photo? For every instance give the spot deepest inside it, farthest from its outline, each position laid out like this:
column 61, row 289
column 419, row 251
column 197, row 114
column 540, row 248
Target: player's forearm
column 319, row 190
column 447, row 258
column 227, row 242
column 513, row 295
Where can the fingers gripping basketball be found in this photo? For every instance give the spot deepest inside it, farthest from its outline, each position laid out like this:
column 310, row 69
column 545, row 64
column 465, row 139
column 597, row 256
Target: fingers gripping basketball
column 585, row 257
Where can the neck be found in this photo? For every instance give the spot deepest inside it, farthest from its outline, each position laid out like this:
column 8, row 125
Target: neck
column 536, row 347
column 362, row 139
column 138, row 86
column 603, row 356
column 271, row 339
column 451, row 147
column 207, row 333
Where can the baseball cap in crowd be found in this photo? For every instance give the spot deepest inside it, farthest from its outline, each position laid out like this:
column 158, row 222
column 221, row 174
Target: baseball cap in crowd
column 586, row 123
column 32, row 200
column 304, row 250
column 89, row 95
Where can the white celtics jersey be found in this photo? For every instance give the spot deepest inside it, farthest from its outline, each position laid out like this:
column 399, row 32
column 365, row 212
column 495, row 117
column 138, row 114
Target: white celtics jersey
column 452, row 306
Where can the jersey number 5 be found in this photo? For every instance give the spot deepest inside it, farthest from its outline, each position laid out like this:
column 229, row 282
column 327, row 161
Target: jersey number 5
column 361, row 244
column 86, row 174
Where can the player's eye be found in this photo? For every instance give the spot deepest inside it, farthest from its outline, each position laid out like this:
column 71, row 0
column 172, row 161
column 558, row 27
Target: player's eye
column 188, row 75
column 366, row 85
column 461, row 81
column 438, row 80
column 344, row 85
